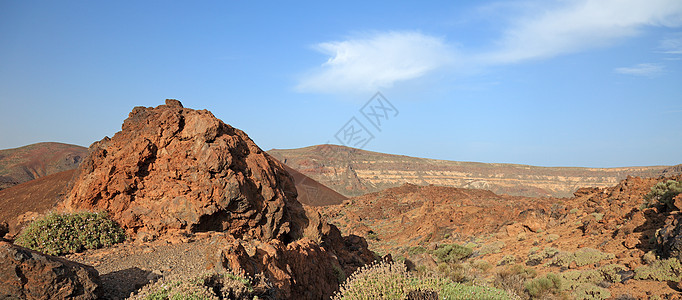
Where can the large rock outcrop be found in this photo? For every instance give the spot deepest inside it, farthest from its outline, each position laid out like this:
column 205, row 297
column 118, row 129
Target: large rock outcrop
column 173, row 168
column 27, row 274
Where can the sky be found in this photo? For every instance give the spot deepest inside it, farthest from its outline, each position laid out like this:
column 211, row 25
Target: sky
column 585, row 83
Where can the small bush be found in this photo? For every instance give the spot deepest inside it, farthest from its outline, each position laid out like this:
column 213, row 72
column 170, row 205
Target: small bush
column 58, row 234
column 482, row 265
column 507, row 260
column 582, row 257
column 543, row 286
column 494, row 247
column 664, row 192
column 456, row 272
column 386, row 280
column 513, row 278
column 661, row 270
column 536, row 258
column 210, row 286
column 452, row 253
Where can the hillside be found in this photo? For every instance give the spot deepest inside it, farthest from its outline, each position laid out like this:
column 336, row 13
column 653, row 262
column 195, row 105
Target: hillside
column 354, row 172
column 29, row 162
column 582, row 239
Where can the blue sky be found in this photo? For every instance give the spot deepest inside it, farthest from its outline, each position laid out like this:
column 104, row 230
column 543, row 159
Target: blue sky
column 594, row 83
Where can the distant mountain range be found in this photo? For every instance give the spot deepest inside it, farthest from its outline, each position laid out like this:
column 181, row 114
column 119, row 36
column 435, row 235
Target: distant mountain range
column 26, row 163
column 354, row 172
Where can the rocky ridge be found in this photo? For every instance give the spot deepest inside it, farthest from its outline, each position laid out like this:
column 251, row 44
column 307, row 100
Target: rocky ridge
column 354, row 172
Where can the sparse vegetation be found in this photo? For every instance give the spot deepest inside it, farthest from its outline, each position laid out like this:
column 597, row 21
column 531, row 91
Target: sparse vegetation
column 660, row 270
column 541, row 287
column 663, row 193
column 494, row 247
column 582, row 257
column 59, row 234
column 513, row 278
column 507, row 260
column 210, row 286
column 392, row 281
column 452, row 253
column 537, row 257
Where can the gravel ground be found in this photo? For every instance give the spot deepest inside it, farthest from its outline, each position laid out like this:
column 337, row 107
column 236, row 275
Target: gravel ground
column 126, row 267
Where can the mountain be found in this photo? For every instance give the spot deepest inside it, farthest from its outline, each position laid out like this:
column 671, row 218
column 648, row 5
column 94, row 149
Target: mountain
column 26, row 163
column 354, row 172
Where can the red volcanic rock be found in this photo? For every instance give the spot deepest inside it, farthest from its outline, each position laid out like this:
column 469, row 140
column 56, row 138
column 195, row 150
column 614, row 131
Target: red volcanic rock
column 27, row 274
column 175, row 168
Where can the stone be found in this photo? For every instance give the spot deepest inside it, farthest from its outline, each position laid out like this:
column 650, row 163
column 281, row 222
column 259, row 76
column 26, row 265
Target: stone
column 173, row 168
column 669, row 237
column 27, row 274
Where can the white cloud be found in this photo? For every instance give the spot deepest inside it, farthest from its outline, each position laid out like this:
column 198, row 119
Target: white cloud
column 574, row 26
column 376, row 61
column 672, row 44
column 641, row 70
column 538, row 29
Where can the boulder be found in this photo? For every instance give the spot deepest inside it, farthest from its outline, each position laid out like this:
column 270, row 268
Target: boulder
column 27, row 274
column 173, row 168
column 669, row 237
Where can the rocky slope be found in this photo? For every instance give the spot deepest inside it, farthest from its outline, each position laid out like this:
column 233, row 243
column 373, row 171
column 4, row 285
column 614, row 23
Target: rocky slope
column 36, row 160
column 353, row 172
column 609, row 228
column 23, row 202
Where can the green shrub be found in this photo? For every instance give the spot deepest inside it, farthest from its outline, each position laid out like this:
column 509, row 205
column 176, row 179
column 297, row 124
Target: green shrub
column 582, row 257
column 543, row 286
column 452, row 253
column 58, row 234
column 513, row 278
column 386, row 280
column 584, row 283
column 536, row 258
column 456, row 272
column 664, row 192
column 661, row 270
column 507, row 260
column 209, row 286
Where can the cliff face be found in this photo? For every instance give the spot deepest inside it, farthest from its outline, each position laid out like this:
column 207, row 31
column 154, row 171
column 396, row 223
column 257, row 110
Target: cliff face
column 354, row 172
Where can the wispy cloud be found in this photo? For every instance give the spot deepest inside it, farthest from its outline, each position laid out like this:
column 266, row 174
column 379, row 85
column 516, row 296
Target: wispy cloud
column 574, row 26
column 648, row 70
column 376, row 61
column 672, row 44
column 543, row 29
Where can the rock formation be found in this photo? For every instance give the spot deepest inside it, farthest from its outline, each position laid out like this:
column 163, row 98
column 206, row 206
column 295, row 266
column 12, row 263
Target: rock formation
column 27, row 274
column 177, row 170
column 174, row 168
